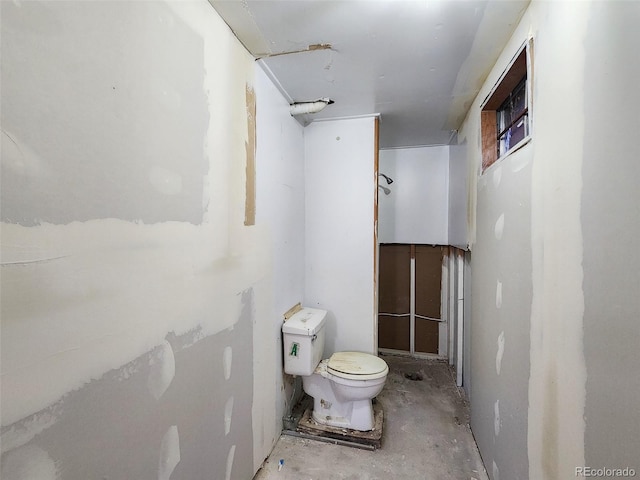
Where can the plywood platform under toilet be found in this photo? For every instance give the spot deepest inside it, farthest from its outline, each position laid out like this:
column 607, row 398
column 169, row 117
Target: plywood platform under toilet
column 372, row 438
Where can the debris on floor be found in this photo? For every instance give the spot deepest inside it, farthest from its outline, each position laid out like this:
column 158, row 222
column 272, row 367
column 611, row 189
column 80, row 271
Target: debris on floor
column 415, row 376
column 426, row 435
column 371, row 438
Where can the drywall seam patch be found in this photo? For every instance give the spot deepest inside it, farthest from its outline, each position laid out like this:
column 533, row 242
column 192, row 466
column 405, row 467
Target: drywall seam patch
column 250, row 183
column 24, row 431
column 227, row 357
column 169, row 453
column 499, row 228
column 28, row 463
column 230, row 456
column 500, row 353
column 228, row 414
column 557, row 382
column 163, row 369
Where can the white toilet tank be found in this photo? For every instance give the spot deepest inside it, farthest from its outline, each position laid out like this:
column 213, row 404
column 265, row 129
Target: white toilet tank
column 303, row 338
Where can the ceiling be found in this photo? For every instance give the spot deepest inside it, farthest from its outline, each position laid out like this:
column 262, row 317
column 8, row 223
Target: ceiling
column 417, row 63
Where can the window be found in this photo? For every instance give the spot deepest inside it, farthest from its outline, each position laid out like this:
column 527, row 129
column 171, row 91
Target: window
column 512, row 119
column 505, row 116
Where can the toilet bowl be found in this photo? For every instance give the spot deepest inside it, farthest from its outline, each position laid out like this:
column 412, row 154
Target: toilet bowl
column 342, row 391
column 343, row 385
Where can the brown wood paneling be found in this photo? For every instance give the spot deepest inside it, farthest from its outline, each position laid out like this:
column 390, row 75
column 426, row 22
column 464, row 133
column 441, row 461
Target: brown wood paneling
column 395, row 279
column 426, row 336
column 511, row 78
column 393, row 332
column 428, row 280
column 489, row 138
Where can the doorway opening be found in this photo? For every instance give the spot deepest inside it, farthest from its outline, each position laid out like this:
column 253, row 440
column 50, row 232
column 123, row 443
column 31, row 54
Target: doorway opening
column 421, row 302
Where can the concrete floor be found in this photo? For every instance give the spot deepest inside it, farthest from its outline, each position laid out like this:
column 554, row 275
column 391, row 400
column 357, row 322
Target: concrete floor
column 426, row 435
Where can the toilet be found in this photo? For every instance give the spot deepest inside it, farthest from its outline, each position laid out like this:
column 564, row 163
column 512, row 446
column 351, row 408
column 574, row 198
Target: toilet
column 343, row 385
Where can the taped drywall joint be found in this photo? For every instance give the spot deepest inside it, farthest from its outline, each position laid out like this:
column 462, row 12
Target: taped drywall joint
column 228, row 414
column 250, row 145
column 500, row 352
column 169, row 453
column 232, row 452
column 227, row 356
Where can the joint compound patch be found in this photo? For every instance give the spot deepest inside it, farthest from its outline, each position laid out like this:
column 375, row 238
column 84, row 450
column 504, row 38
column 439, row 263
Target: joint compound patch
column 227, row 357
column 228, row 411
column 169, row 453
column 295, row 348
column 500, row 352
column 499, row 228
column 163, row 369
column 29, row 462
column 232, row 452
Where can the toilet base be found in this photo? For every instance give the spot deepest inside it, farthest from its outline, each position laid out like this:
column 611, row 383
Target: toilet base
column 342, row 403
column 356, row 414
column 371, row 439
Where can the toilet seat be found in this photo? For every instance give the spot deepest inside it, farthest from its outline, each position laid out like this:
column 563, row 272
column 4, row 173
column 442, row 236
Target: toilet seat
column 357, row 366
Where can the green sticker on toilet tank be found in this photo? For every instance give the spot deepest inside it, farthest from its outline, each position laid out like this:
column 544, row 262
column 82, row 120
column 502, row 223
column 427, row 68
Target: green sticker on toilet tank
column 294, row 349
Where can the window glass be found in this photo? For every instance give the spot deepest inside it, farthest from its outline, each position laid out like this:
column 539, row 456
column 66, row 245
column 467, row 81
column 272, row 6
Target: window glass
column 505, row 116
column 512, row 118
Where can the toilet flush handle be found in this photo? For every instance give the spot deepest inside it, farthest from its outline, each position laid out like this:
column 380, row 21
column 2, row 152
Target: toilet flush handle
column 313, row 337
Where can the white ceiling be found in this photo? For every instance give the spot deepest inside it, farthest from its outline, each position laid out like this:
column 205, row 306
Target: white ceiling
column 418, row 63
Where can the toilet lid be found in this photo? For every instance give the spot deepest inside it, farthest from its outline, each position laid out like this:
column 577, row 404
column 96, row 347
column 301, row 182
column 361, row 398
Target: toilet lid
column 356, row 365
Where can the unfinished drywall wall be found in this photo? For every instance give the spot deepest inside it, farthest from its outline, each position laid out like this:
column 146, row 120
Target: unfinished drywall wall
column 280, row 200
column 467, row 377
column 457, row 190
column 610, row 218
column 500, row 293
column 552, row 337
column 500, row 311
column 339, row 226
column 558, row 373
column 166, row 180
column 135, row 302
column 417, row 209
column 168, row 408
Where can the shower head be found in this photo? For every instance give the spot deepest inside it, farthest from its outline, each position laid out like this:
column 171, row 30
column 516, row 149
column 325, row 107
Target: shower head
column 385, row 190
column 388, row 179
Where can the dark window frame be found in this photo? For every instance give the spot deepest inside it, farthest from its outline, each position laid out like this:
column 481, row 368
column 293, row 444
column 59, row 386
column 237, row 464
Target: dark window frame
column 519, row 70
